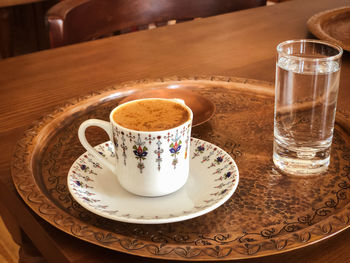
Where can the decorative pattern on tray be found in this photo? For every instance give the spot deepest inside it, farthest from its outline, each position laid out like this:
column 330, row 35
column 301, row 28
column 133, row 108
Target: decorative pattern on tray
column 269, row 213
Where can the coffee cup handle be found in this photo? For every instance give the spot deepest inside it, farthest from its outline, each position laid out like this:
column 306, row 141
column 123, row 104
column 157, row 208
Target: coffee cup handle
column 106, row 126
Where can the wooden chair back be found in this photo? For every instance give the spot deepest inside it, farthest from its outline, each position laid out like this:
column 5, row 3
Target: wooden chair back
column 73, row 21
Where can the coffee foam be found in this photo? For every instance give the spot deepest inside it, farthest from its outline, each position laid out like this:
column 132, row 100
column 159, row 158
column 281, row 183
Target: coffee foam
column 151, row 115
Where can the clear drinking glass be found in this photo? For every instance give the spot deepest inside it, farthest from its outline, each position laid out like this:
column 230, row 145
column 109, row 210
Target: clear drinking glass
column 306, row 91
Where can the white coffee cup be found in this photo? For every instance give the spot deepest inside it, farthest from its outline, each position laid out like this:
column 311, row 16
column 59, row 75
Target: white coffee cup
column 146, row 163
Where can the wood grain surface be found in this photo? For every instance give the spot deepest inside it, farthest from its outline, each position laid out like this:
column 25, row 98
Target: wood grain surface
column 238, row 44
column 8, row 248
column 9, row 3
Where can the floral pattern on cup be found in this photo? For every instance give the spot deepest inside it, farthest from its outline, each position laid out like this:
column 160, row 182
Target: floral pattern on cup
column 159, row 151
column 140, row 150
column 175, row 148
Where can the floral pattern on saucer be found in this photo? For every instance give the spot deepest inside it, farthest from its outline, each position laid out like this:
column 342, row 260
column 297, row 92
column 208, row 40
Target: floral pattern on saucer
column 212, row 180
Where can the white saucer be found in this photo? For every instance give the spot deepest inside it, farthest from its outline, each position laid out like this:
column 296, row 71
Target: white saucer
column 212, row 180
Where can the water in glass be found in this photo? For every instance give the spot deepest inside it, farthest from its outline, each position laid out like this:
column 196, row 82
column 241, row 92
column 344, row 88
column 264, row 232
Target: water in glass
column 305, row 106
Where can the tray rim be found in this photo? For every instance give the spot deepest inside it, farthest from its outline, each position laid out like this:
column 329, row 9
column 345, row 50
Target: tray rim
column 315, row 26
column 62, row 220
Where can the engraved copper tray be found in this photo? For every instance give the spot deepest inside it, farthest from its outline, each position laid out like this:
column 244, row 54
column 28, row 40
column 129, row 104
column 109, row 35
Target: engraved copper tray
column 269, row 213
column 332, row 25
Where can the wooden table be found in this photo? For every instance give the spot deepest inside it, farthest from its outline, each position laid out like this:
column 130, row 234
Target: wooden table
column 239, row 44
